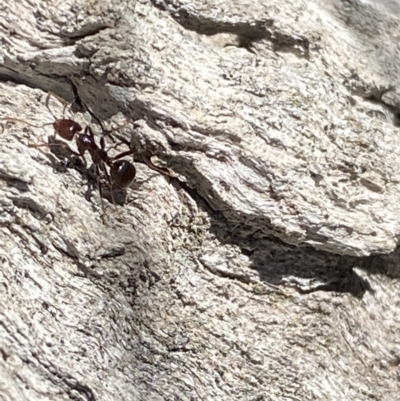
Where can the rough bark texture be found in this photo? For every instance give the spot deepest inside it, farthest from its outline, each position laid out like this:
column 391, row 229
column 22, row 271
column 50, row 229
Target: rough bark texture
column 267, row 269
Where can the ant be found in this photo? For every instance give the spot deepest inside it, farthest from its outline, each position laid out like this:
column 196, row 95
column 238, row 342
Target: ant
column 122, row 172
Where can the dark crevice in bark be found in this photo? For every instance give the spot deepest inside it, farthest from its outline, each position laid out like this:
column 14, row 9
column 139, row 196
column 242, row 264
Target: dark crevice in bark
column 47, row 83
column 248, row 32
column 83, row 33
column 275, row 260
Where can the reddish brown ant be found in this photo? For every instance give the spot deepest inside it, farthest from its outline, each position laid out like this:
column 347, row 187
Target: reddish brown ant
column 122, row 172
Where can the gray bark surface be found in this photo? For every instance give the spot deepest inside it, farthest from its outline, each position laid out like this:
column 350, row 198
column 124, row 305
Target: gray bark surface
column 267, row 268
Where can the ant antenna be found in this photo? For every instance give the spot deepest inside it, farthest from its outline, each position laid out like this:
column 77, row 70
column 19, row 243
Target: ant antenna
column 61, row 100
column 95, row 118
column 49, row 94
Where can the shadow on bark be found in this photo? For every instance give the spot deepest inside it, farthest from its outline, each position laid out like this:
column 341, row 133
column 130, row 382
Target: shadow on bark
column 305, row 268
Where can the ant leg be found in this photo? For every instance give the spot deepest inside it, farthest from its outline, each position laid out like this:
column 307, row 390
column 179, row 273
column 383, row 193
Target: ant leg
column 110, row 132
column 88, row 129
column 101, row 195
column 51, row 145
column 120, row 155
column 145, row 158
column 123, row 154
column 123, row 140
column 113, row 146
column 95, row 118
column 111, row 187
column 151, row 165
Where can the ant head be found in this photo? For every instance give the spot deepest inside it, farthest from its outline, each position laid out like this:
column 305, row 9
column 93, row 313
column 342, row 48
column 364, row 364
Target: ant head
column 67, row 128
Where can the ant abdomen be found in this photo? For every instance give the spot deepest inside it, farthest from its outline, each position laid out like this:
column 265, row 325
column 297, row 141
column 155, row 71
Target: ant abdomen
column 67, row 128
column 122, row 173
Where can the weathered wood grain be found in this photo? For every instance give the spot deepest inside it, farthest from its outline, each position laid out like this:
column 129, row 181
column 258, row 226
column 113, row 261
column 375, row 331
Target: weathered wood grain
column 267, row 269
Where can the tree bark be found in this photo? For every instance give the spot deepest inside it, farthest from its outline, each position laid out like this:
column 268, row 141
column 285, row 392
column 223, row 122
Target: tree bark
column 266, row 267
